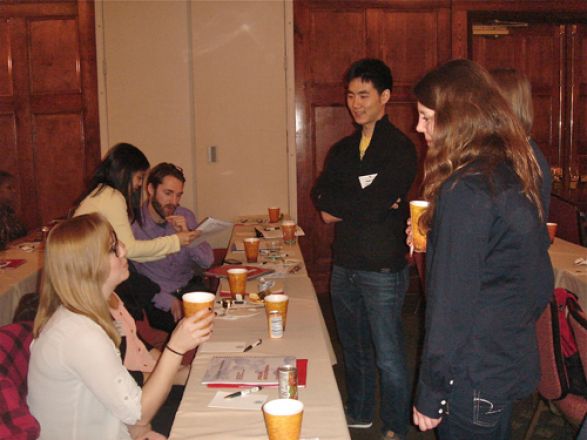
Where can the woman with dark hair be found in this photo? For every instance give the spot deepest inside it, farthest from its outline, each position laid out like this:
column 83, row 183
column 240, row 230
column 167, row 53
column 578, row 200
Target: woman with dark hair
column 488, row 274
column 77, row 384
column 11, row 227
column 115, row 192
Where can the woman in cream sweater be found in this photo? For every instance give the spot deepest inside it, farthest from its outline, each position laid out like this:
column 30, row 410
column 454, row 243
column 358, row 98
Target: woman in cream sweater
column 115, row 192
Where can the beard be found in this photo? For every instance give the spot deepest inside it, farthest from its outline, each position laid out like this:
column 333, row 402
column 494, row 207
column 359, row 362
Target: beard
column 163, row 211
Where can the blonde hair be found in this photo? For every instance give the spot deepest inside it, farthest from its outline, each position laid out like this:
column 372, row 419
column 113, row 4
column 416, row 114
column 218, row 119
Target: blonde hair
column 517, row 90
column 76, row 267
column 472, row 123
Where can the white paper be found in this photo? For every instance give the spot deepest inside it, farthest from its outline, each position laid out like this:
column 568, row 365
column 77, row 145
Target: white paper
column 367, row 180
column 250, row 402
column 222, row 347
column 209, row 226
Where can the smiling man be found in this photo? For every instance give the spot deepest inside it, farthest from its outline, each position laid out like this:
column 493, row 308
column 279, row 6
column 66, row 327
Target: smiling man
column 177, row 272
column 362, row 190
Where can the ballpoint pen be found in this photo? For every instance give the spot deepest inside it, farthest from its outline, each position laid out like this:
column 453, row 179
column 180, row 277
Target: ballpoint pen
column 254, row 344
column 243, row 392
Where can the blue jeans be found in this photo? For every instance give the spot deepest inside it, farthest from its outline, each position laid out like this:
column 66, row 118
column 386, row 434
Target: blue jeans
column 367, row 306
column 474, row 415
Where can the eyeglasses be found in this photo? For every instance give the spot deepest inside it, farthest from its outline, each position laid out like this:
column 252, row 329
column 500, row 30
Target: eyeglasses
column 114, row 248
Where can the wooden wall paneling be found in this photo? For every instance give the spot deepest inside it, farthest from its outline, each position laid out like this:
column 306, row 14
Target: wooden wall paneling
column 578, row 103
column 407, row 35
column 57, row 164
column 50, row 50
column 535, row 51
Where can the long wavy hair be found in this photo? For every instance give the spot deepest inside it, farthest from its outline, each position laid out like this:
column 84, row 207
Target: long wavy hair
column 473, row 123
column 517, row 90
column 116, row 171
column 76, row 267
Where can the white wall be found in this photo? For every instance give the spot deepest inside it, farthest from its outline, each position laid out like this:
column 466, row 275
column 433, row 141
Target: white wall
column 176, row 77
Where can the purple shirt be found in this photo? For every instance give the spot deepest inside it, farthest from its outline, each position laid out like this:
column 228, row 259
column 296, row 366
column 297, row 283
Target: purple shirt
column 175, row 270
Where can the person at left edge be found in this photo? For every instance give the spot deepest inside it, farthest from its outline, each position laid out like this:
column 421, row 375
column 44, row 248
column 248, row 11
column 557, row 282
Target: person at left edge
column 362, row 190
column 179, row 272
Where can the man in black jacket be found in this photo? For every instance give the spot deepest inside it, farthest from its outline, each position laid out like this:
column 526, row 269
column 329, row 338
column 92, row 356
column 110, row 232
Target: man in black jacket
column 362, row 190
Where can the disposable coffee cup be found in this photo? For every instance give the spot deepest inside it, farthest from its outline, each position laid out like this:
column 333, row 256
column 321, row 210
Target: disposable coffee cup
column 251, row 249
column 277, row 302
column 274, row 213
column 417, row 208
column 288, row 227
column 237, row 280
column 283, row 419
column 551, row 230
column 193, row 302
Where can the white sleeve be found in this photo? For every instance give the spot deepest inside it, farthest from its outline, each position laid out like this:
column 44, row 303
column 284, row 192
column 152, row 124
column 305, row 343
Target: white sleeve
column 94, row 359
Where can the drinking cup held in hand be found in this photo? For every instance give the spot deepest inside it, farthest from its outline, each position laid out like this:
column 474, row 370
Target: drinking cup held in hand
column 193, row 302
column 417, row 208
column 283, row 419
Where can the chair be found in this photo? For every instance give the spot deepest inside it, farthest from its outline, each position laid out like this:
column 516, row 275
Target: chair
column 568, row 217
column 554, row 382
column 16, row 421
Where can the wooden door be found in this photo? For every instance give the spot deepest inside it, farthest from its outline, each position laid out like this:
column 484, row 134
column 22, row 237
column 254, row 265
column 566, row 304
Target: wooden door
column 537, row 51
column 329, row 36
column 48, row 103
column 577, row 104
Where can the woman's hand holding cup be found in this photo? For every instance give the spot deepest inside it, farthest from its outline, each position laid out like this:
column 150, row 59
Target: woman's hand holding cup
column 192, row 331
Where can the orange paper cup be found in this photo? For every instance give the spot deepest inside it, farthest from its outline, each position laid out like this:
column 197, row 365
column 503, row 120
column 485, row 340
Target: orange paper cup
column 251, row 249
column 417, row 208
column 193, row 302
column 283, row 419
column 551, row 230
column 273, row 214
column 277, row 302
column 237, row 280
column 288, row 228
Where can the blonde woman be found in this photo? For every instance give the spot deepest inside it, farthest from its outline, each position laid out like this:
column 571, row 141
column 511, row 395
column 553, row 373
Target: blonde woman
column 78, row 387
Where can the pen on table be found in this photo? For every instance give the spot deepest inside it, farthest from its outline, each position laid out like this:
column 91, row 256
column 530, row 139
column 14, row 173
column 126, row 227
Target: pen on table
column 243, row 392
column 253, row 345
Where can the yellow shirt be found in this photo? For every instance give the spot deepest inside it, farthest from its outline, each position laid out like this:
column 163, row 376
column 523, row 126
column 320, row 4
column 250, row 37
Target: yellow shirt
column 364, row 144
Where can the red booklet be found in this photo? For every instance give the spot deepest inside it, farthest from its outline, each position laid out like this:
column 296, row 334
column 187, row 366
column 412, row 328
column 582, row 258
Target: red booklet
column 253, row 271
column 12, row 263
column 301, row 364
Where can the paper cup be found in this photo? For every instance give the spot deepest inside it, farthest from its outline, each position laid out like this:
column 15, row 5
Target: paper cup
column 237, row 280
column 288, row 228
column 283, row 419
column 193, row 302
column 417, row 208
column 277, row 302
column 551, row 230
column 273, row 214
column 251, row 249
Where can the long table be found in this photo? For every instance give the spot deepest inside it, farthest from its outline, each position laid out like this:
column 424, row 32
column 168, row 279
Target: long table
column 305, row 337
column 567, row 274
column 16, row 282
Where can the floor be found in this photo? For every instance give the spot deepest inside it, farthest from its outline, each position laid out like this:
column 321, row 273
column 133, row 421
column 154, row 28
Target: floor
column 550, row 426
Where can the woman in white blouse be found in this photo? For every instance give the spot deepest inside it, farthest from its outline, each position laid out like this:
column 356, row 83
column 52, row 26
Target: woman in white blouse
column 78, row 387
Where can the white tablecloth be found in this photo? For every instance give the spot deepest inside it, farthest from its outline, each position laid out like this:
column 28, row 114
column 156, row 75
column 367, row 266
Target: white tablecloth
column 14, row 283
column 305, row 337
column 567, row 274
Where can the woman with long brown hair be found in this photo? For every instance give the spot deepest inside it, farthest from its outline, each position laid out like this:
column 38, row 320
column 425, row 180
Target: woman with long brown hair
column 77, row 385
column 488, row 272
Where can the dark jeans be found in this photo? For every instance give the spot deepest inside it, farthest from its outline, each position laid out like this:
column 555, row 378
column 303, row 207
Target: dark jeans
column 474, row 415
column 367, row 306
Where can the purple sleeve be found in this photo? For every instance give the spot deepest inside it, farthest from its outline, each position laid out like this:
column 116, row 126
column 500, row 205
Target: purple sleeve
column 163, row 301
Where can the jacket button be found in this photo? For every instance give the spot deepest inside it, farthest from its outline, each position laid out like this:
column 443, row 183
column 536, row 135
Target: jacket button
column 440, row 411
column 443, row 402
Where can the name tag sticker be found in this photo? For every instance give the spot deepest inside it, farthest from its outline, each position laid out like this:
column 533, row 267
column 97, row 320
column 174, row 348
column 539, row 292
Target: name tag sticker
column 367, row 180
